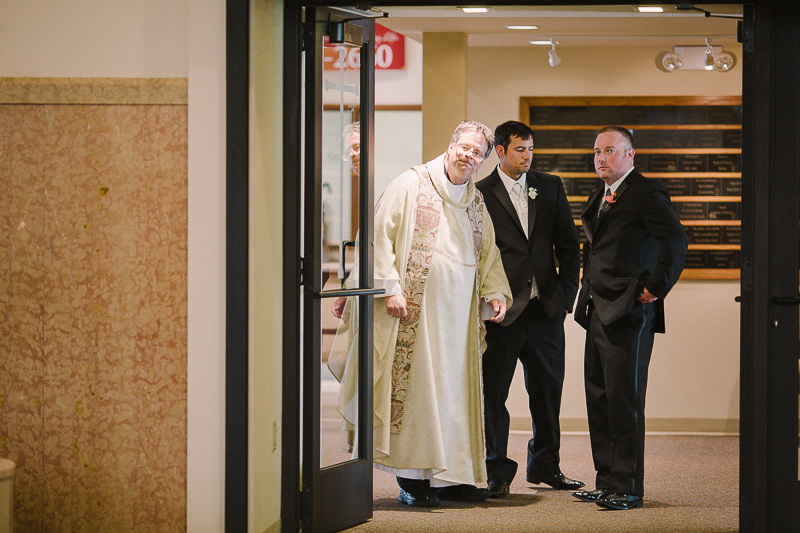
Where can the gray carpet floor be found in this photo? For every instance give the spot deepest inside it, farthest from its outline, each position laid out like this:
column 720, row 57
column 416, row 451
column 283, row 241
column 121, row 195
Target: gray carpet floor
column 691, row 484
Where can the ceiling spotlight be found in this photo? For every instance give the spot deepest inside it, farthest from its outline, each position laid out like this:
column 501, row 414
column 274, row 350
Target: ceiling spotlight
column 672, row 61
column 552, row 56
column 708, row 61
column 723, row 62
column 475, row 9
column 650, row 9
column 522, row 27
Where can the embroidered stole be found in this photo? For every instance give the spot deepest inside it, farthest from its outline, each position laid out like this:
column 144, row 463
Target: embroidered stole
column 426, row 227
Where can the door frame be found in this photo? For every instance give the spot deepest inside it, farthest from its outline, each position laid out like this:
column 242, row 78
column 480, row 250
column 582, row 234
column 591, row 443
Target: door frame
column 771, row 144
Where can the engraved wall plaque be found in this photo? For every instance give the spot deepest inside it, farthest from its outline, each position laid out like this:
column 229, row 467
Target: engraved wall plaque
column 692, row 163
column 723, row 210
column 705, row 235
column 706, row 187
column 673, row 139
column 691, row 210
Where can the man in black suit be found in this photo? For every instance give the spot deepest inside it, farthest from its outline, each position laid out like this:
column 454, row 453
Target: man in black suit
column 633, row 256
column 533, row 228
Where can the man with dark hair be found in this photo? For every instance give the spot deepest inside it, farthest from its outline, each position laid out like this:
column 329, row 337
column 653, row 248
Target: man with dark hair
column 633, row 256
column 534, row 228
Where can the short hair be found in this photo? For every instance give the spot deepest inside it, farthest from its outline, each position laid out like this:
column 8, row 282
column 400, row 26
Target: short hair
column 353, row 127
column 472, row 125
column 511, row 128
column 625, row 132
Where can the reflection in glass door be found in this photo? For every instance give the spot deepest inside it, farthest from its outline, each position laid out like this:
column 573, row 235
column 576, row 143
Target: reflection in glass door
column 341, row 147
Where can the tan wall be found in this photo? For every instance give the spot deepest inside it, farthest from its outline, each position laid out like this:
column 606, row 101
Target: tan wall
column 266, row 266
column 444, row 90
column 93, row 305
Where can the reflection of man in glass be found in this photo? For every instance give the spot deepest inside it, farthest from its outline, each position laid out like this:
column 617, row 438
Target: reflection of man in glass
column 435, row 255
column 352, row 145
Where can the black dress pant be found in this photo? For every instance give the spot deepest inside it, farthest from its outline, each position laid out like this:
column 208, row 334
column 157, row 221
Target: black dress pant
column 538, row 342
column 616, row 361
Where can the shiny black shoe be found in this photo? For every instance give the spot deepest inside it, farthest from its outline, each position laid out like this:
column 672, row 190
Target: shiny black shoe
column 558, row 481
column 499, row 489
column 418, row 499
column 590, row 496
column 620, row 502
column 462, row 493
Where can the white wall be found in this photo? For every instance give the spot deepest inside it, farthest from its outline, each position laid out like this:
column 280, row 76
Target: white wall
column 158, row 39
column 694, row 373
column 72, row 38
column 206, row 318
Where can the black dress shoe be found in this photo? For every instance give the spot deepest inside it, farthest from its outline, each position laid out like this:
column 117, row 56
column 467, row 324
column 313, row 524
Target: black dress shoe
column 558, row 481
column 418, row 499
column 620, row 502
column 590, row 496
column 499, row 489
column 462, row 493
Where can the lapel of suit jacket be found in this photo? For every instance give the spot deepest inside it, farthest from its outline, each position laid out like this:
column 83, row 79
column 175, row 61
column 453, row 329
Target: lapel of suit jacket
column 499, row 190
column 588, row 215
column 619, row 192
column 533, row 183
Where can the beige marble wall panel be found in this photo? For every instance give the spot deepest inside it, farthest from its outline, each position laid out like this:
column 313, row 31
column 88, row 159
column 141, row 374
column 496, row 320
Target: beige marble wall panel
column 93, row 315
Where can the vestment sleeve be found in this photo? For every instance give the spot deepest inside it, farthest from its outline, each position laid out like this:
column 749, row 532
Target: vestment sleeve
column 493, row 281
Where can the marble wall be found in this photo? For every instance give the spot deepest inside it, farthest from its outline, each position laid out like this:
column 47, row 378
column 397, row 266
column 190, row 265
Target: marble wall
column 93, row 305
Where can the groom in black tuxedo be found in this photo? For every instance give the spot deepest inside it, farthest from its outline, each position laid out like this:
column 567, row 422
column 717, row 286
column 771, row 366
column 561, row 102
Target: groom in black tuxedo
column 633, row 256
column 534, row 228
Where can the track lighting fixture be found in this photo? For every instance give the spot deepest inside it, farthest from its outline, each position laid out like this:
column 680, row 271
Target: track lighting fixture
column 552, row 57
column 705, row 57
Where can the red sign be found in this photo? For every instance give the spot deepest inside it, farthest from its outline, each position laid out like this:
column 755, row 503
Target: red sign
column 390, row 52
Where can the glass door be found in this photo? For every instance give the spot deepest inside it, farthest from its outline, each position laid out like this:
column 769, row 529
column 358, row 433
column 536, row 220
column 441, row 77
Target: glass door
column 336, row 399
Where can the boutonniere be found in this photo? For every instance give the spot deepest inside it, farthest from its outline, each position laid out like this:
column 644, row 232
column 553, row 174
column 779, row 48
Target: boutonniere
column 533, row 193
column 610, row 199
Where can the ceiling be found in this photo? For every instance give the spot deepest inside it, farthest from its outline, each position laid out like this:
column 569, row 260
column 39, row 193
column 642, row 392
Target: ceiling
column 571, row 25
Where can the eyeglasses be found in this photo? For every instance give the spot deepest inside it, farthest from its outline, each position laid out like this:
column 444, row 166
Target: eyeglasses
column 351, row 151
column 468, row 151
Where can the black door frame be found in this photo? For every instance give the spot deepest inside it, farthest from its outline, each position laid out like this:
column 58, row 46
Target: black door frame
column 768, row 470
column 771, row 171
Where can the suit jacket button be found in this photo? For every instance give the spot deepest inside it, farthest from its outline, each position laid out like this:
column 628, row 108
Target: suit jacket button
column 529, row 282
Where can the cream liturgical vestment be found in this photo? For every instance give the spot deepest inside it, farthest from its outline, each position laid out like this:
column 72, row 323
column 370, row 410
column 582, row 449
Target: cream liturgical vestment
column 428, row 417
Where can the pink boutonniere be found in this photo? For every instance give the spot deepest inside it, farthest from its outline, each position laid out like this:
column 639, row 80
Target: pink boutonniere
column 611, row 198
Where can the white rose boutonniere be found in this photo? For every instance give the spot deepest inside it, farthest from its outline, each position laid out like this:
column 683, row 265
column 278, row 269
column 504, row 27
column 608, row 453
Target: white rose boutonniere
column 533, row 193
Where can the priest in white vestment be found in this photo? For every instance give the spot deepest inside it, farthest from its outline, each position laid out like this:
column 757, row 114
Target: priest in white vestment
column 435, row 255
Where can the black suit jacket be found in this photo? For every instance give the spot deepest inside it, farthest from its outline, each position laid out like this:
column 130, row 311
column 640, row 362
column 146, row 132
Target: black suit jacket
column 637, row 242
column 553, row 237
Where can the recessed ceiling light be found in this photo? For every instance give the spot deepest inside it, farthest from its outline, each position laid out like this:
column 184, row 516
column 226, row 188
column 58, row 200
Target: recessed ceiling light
column 651, row 9
column 475, row 9
column 522, row 27
column 547, row 42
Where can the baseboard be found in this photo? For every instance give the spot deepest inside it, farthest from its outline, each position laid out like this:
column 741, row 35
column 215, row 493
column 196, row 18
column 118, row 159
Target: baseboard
column 721, row 426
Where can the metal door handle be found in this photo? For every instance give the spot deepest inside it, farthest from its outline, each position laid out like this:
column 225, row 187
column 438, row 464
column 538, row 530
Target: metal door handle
column 342, row 248
column 348, row 292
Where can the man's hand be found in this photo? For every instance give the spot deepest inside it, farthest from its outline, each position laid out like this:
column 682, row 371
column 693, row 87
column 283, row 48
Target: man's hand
column 499, row 307
column 338, row 306
column 396, row 306
column 646, row 297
